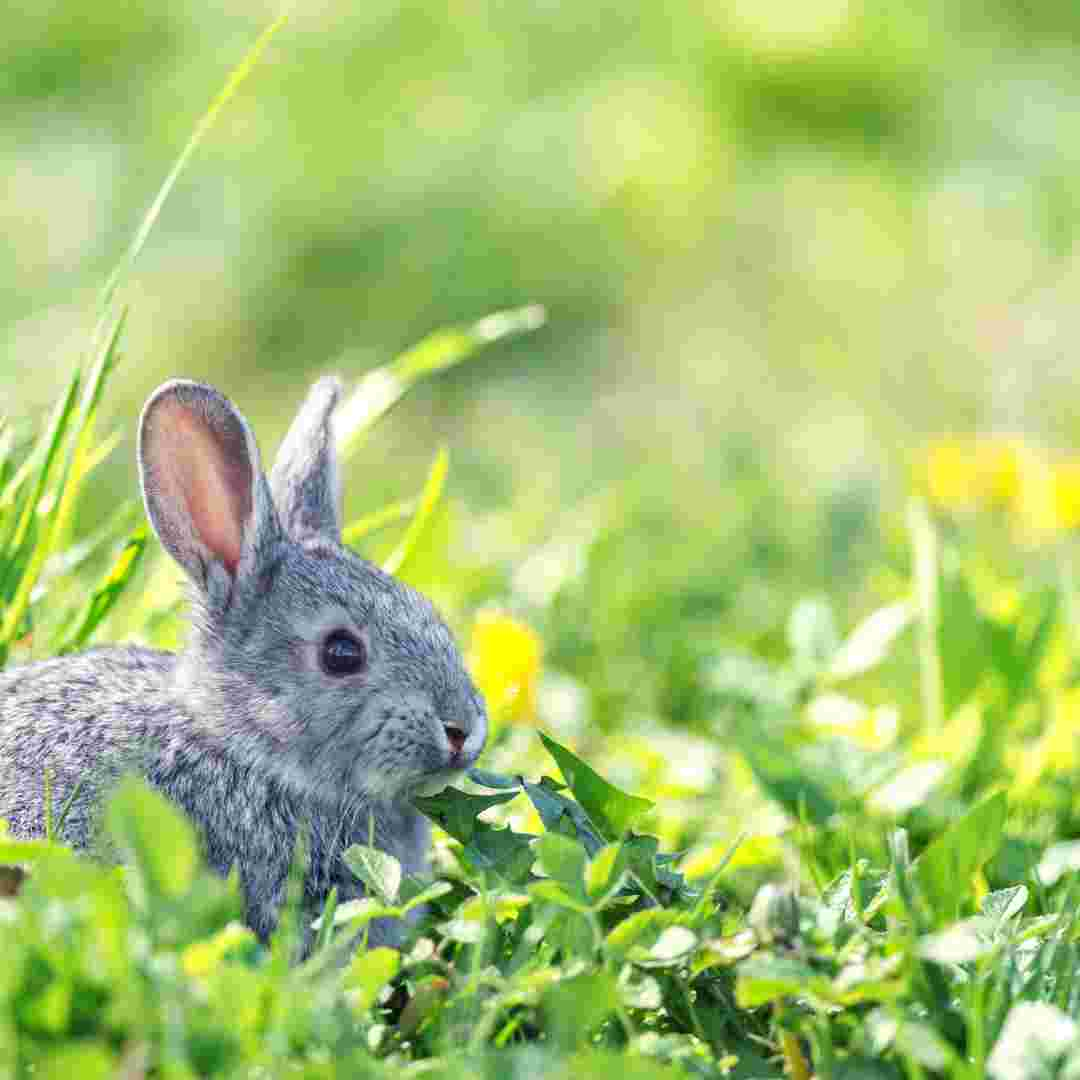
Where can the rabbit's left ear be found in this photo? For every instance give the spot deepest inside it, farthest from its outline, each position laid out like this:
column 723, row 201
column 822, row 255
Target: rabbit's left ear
column 305, row 480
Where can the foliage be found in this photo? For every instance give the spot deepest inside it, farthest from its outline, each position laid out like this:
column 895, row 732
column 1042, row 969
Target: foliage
column 859, row 853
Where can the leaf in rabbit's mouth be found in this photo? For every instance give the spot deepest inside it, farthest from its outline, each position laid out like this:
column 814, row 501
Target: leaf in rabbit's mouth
column 437, row 782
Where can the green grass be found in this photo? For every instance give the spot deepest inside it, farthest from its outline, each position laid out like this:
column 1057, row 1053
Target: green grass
column 812, row 847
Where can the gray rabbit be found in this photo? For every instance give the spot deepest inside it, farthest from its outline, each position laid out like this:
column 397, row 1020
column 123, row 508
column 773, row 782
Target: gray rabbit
column 315, row 692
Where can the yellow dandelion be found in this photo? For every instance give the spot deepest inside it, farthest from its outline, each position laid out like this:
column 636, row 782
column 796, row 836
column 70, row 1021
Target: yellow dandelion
column 1066, row 494
column 952, row 475
column 504, row 658
column 960, row 474
column 999, row 469
column 1035, row 511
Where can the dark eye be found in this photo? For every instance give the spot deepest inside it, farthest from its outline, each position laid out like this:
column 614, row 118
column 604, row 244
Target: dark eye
column 343, row 654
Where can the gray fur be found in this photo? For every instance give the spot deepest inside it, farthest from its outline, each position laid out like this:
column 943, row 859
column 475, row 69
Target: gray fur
column 304, row 480
column 243, row 729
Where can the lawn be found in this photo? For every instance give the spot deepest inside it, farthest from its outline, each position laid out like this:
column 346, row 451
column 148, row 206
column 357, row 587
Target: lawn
column 778, row 802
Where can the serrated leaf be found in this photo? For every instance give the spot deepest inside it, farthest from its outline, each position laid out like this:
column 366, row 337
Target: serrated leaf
column 611, row 810
column 379, row 871
column 501, row 851
column 455, row 812
column 562, row 815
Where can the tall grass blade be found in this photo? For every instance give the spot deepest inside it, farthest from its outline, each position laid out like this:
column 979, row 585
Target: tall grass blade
column 236, row 79
column 429, row 501
column 105, row 596
column 380, row 390
column 378, row 520
column 80, row 450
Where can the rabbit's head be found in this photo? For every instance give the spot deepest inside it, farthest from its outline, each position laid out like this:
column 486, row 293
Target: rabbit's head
column 311, row 662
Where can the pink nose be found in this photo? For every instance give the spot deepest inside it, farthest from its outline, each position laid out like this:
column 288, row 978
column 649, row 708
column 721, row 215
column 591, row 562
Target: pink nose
column 455, row 737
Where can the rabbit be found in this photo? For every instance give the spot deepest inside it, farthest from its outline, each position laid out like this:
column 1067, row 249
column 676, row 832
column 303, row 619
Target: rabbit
column 315, row 691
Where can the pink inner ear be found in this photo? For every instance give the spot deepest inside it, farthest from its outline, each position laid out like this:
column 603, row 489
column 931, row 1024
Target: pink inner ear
column 208, row 472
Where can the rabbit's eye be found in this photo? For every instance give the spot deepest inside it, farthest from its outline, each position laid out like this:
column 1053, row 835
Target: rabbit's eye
column 342, row 654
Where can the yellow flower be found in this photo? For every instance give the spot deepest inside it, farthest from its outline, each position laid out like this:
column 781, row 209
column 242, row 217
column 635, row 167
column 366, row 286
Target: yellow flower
column 1066, row 494
column 952, row 476
column 504, row 658
column 960, row 474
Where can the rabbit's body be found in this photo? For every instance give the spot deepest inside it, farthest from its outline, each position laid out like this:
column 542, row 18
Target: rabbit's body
column 315, row 693
column 245, row 816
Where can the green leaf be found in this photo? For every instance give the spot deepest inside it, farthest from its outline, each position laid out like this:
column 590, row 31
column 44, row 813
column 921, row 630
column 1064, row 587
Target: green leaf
column 612, row 811
column 369, row 972
column 555, row 893
column 605, row 872
column 426, row 895
column 674, row 946
column 574, row 1007
column 494, row 780
column 456, row 812
column 379, row 871
column 502, row 851
column 561, row 814
column 641, row 930
column 156, row 837
column 564, row 860
column 945, row 868
column 764, row 978
column 871, row 641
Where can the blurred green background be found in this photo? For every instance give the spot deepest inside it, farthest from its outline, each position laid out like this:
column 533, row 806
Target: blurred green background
column 780, row 245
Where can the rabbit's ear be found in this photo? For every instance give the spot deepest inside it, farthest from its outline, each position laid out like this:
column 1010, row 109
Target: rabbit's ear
column 203, row 486
column 304, row 480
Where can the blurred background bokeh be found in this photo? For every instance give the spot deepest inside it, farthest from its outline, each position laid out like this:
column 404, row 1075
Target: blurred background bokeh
column 782, row 246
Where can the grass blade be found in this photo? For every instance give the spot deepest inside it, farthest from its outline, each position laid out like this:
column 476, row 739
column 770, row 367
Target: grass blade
column 236, row 79
column 105, row 596
column 429, row 501
column 380, row 390
column 378, row 520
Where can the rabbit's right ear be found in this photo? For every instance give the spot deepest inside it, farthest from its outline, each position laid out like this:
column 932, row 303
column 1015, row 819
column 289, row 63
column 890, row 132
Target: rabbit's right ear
column 203, row 486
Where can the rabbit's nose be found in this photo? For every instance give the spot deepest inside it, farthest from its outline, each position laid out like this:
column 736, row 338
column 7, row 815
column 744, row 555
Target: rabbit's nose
column 455, row 737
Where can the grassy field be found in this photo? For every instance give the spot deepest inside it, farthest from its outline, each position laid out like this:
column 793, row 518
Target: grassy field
column 785, row 801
